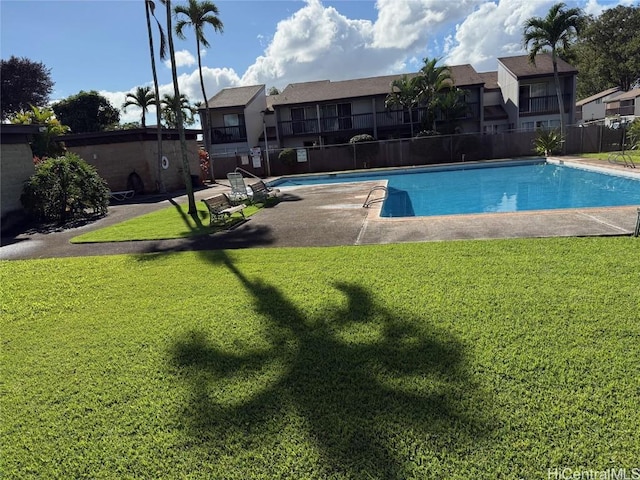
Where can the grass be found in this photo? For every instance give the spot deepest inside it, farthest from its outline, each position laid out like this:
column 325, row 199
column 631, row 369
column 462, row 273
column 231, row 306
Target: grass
column 170, row 222
column 604, row 156
column 480, row 359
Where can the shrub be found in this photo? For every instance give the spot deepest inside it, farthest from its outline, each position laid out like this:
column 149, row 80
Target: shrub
column 365, row 148
column 288, row 156
column 547, row 142
column 65, row 188
column 633, row 134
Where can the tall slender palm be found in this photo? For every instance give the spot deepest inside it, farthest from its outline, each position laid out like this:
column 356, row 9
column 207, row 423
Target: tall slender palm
column 170, row 106
column 555, row 32
column 404, row 94
column 143, row 98
column 432, row 83
column 149, row 8
column 198, row 15
column 186, row 169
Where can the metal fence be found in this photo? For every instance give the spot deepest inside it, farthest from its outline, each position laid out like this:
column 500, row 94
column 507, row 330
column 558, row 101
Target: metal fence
column 421, row 151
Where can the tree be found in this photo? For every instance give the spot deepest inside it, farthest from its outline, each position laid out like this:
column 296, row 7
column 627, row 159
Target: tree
column 149, row 8
column 45, row 143
column 86, row 112
column 433, row 82
column 65, row 188
column 198, row 15
column 365, row 149
column 273, row 91
column 452, row 106
column 143, row 98
column 186, row 169
column 170, row 107
column 405, row 94
column 555, row 32
column 608, row 51
column 24, row 83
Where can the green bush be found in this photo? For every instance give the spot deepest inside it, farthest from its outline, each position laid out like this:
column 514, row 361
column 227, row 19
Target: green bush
column 365, row 149
column 633, row 134
column 65, row 188
column 547, row 142
column 288, row 156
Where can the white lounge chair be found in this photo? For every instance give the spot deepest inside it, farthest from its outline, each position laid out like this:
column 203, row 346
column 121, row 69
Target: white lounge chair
column 239, row 190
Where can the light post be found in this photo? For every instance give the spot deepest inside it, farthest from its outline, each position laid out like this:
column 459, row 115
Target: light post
column 266, row 142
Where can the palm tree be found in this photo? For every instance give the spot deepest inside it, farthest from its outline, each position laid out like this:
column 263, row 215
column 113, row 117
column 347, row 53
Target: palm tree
column 170, row 108
column 186, row 169
column 452, row 107
column 404, row 94
column 143, row 98
column 198, row 16
column 432, row 83
column 150, row 7
column 555, row 32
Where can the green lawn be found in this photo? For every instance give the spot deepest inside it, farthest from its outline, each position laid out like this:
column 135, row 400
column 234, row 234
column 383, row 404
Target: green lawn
column 604, row 156
column 479, row 359
column 170, row 222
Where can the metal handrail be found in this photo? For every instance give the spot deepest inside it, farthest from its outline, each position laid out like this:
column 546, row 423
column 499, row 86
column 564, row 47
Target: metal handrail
column 627, row 161
column 367, row 202
column 242, row 170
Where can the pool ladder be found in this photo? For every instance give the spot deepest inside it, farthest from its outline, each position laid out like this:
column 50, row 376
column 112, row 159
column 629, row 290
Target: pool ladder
column 369, row 200
column 621, row 159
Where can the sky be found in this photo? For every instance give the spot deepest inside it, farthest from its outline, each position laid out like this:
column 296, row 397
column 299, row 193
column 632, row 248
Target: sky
column 102, row 45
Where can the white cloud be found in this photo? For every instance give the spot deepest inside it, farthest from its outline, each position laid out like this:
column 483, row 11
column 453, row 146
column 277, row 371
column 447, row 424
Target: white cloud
column 318, row 42
column 493, row 30
column 184, row 58
column 215, row 79
column 407, row 24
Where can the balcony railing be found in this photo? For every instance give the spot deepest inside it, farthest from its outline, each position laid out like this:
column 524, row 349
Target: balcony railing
column 542, row 105
column 228, row 134
column 363, row 121
column 626, row 110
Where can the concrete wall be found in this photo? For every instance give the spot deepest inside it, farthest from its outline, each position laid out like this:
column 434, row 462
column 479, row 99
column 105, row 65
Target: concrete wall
column 16, row 166
column 118, row 155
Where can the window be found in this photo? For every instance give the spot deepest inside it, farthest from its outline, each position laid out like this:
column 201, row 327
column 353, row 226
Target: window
column 528, row 126
column 303, row 120
column 336, row 117
column 233, row 119
column 533, row 97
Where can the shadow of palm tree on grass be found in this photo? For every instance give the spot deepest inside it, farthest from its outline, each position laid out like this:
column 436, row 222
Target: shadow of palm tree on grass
column 375, row 393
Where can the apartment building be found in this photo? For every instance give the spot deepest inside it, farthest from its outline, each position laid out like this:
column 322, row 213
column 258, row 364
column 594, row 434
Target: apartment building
column 518, row 95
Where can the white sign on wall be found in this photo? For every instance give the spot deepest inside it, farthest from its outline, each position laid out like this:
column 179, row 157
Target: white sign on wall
column 302, row 154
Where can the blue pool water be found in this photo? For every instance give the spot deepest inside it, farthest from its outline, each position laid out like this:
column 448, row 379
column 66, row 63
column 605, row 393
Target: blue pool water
column 484, row 189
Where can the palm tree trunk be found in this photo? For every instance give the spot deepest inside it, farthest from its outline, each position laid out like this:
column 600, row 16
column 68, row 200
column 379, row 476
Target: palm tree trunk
column 206, row 131
column 186, row 169
column 411, row 119
column 556, row 79
column 161, row 185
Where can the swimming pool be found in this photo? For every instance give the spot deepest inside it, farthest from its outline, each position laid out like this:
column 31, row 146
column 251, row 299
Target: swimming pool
column 485, row 188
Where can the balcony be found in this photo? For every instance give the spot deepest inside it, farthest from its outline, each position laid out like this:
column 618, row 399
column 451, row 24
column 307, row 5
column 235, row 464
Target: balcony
column 543, row 105
column 327, row 125
column 623, row 110
column 228, row 134
column 363, row 121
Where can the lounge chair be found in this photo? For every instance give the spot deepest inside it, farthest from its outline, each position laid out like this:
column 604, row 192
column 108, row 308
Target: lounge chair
column 262, row 193
column 239, row 190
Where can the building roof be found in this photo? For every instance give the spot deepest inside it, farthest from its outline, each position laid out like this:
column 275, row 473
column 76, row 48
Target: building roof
column 490, row 80
column 592, row 98
column 520, row 66
column 630, row 95
column 235, row 97
column 325, row 90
